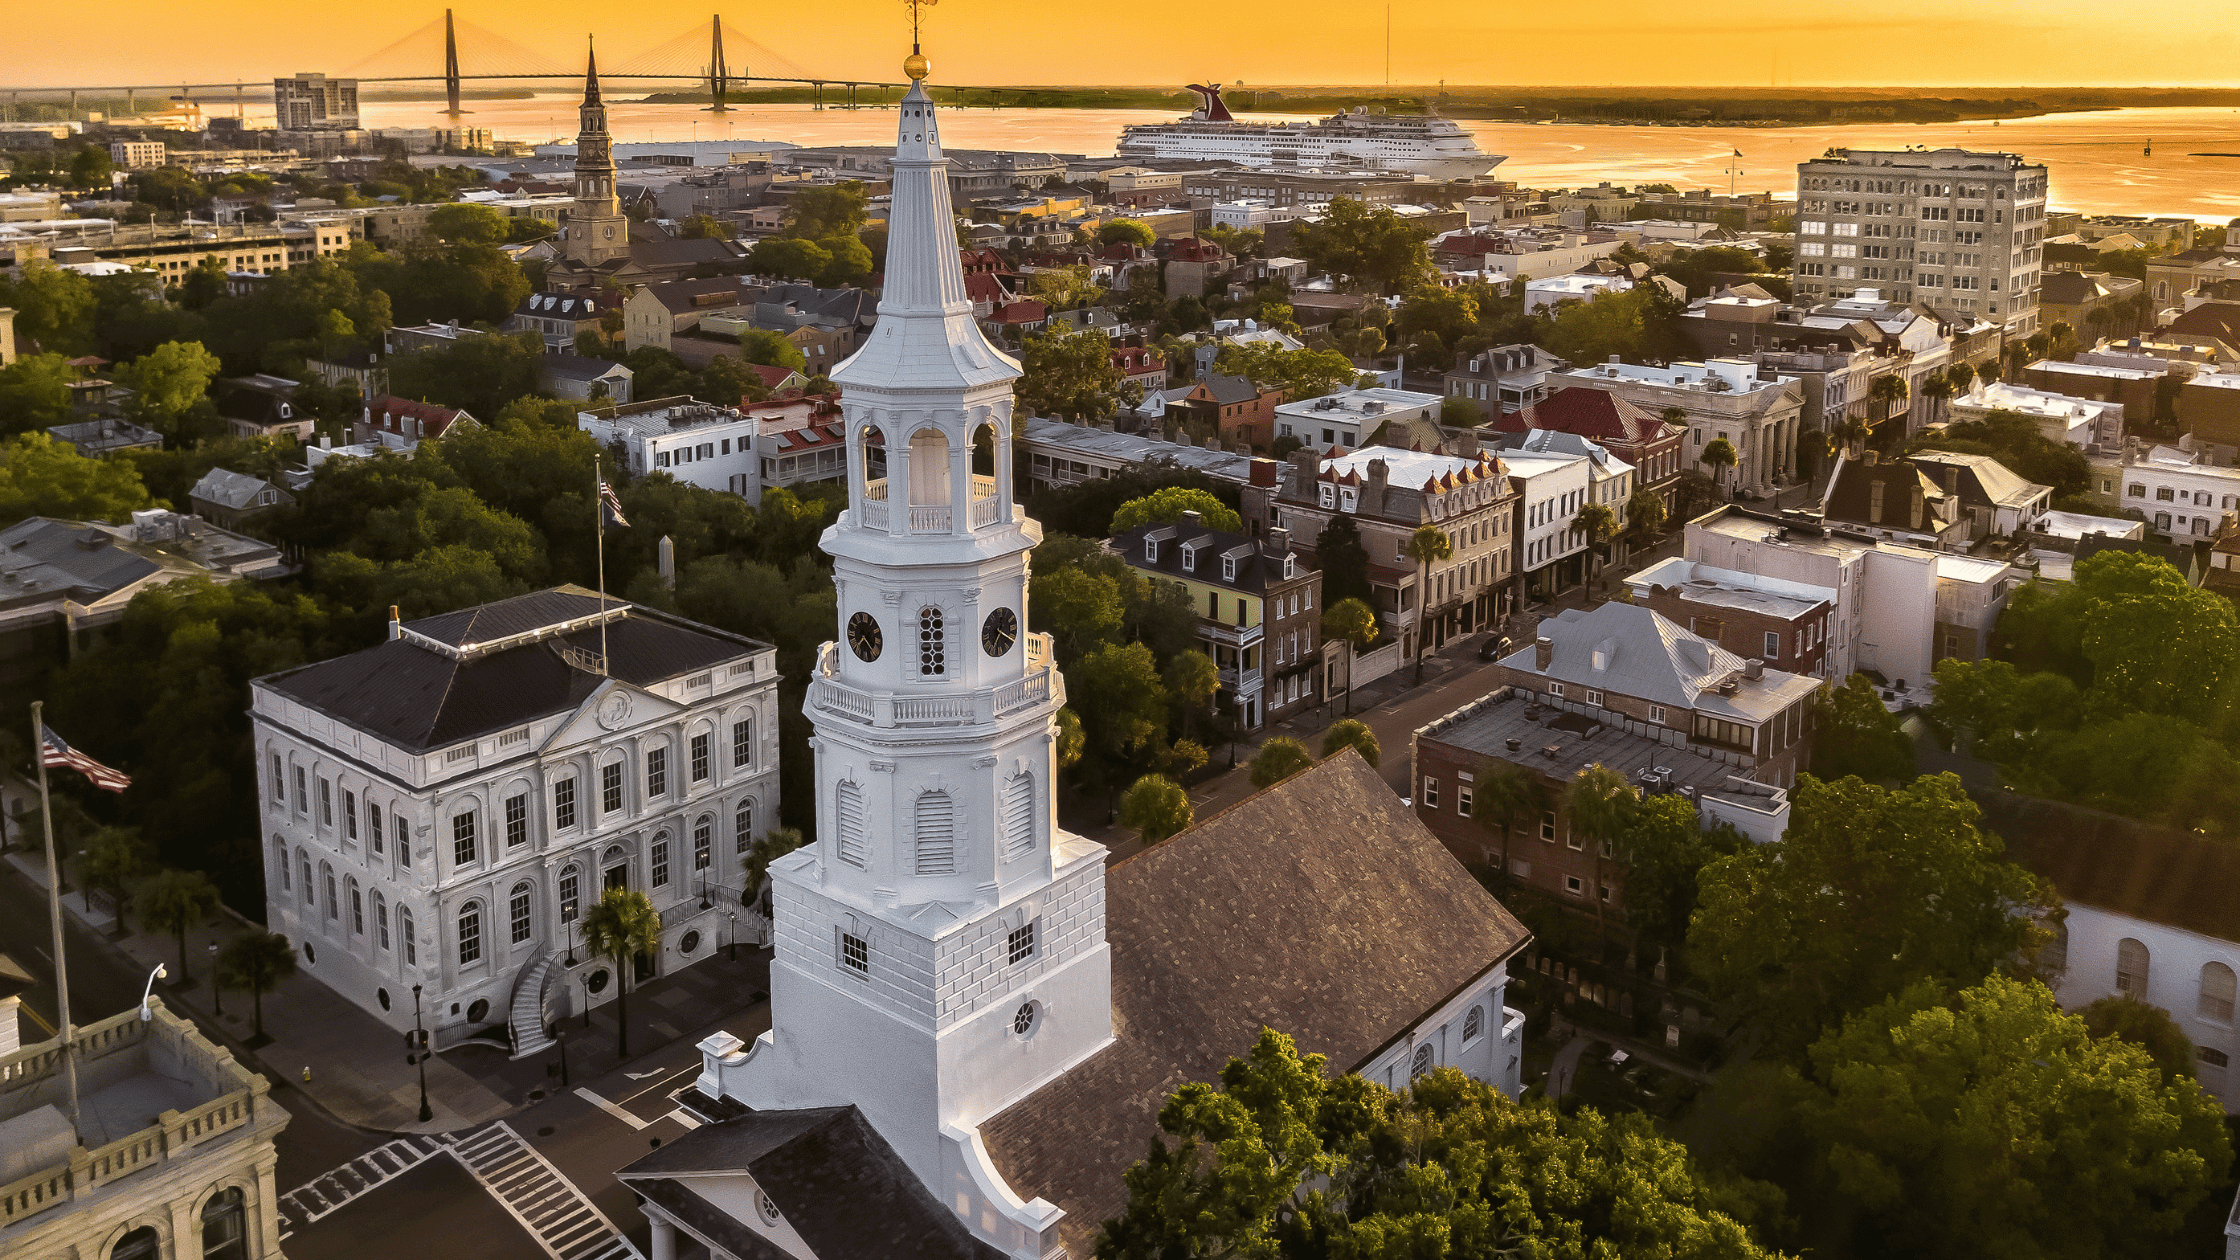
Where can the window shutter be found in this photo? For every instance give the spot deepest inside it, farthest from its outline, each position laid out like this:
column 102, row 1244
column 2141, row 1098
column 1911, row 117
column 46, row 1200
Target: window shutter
column 936, row 833
column 1018, row 815
column 850, row 811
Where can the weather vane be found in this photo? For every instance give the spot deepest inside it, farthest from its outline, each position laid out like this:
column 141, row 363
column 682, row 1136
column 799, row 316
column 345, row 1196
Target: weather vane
column 917, row 67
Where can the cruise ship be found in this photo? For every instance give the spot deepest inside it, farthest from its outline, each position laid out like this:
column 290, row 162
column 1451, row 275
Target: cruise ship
column 1419, row 144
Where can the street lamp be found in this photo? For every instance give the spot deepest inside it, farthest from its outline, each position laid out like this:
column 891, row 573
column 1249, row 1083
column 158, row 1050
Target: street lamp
column 732, row 949
column 161, row 972
column 420, row 1056
column 217, row 992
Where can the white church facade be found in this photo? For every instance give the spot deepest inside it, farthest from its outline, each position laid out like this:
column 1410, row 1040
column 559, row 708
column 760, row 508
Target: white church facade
column 975, row 1021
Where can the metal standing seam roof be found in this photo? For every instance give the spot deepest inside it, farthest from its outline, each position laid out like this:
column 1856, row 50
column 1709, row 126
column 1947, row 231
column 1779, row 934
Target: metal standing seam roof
column 42, row 558
column 1629, row 650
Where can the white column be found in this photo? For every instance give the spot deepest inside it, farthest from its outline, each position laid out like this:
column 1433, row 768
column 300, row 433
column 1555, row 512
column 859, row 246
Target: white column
column 664, row 1237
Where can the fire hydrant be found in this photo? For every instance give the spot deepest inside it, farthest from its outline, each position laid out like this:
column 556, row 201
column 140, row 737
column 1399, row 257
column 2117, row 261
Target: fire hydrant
column 307, row 1074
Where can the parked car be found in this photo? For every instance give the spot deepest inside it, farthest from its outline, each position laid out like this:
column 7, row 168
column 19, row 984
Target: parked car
column 1494, row 648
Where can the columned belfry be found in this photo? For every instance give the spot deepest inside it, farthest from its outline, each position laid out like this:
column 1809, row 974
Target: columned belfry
column 596, row 230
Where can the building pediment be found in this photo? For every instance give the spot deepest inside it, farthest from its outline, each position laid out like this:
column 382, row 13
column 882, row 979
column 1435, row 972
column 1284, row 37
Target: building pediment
column 613, row 706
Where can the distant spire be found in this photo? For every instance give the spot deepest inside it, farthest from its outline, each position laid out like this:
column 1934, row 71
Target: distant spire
column 591, row 74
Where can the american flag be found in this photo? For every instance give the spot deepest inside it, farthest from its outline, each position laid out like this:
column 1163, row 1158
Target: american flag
column 59, row 755
column 611, row 506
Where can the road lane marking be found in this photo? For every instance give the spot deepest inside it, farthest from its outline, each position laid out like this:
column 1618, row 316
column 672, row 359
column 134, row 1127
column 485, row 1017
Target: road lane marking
column 563, row 1220
column 612, row 1109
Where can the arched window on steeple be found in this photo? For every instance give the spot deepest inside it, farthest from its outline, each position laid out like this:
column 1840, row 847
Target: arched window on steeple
column 847, row 817
column 934, row 833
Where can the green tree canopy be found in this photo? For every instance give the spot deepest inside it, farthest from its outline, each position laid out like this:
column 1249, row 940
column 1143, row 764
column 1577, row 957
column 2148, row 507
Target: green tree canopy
column 1351, row 733
column 172, row 900
column 2144, row 1025
column 1157, row 807
column 41, row 477
column 1372, row 248
column 258, row 962
column 1285, row 1162
column 54, row 308
column 467, row 223
column 789, row 258
column 170, row 384
column 761, row 345
column 1069, row 374
column 1871, row 890
column 1126, row 232
column 1278, row 759
column 480, row 375
column 1665, row 847
column 817, row 212
column 1300, row 374
column 1855, row 735
column 1169, row 503
column 1080, row 611
column 34, row 393
column 620, row 926
column 1995, row 1125
column 1351, row 620
column 1345, row 562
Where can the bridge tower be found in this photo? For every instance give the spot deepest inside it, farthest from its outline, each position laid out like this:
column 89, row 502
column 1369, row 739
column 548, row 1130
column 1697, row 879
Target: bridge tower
column 719, row 74
column 450, row 65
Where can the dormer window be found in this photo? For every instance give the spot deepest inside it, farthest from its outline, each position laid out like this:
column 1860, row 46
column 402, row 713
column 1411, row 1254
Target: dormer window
column 1151, row 551
column 1349, row 499
column 1189, row 558
column 1328, row 496
column 1228, row 568
column 1290, row 567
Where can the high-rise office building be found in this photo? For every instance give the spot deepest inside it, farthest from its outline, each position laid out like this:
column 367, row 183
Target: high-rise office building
column 1945, row 227
column 314, row 102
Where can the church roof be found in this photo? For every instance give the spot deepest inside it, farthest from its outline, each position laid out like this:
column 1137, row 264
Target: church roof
column 1320, row 907
column 833, row 1179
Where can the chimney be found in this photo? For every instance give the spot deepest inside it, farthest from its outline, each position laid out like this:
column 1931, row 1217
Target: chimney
column 1543, row 651
column 1306, row 465
column 326, row 441
column 1279, row 540
column 1753, row 669
column 1951, row 480
column 1869, row 456
column 1193, row 519
column 396, row 627
column 1263, row 472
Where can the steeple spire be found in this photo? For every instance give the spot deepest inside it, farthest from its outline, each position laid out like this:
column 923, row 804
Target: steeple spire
column 591, row 73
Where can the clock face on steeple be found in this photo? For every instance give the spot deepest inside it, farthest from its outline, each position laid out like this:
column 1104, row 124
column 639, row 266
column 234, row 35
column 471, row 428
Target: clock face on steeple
column 999, row 632
column 863, row 636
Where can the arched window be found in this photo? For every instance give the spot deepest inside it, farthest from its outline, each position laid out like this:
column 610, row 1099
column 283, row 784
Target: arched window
column 326, row 883
column 703, row 843
column 1474, row 1024
column 742, row 826
column 2216, row 992
column 280, row 862
column 225, row 1234
column 470, row 933
column 357, row 908
column 847, row 809
column 1018, row 815
column 303, row 867
column 932, row 651
column 934, row 832
column 381, row 920
column 1422, row 1062
column 517, row 913
column 571, row 891
column 404, row 933
column 2131, row 967
column 141, row 1244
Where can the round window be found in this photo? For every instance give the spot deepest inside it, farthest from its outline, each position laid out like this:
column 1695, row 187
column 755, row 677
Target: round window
column 690, row 942
column 1022, row 1020
column 479, row 1011
column 310, row 955
column 597, row 981
column 383, row 996
column 768, row 1209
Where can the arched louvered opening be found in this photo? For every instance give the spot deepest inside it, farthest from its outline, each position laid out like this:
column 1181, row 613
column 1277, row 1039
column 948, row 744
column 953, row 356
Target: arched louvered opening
column 934, row 835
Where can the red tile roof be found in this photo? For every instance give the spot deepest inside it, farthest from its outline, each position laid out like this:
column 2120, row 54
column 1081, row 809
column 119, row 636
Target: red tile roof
column 1025, row 312
column 1590, row 413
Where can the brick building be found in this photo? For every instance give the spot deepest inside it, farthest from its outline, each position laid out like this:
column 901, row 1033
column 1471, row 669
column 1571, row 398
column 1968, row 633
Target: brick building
column 1631, row 432
column 1258, row 615
column 1784, row 624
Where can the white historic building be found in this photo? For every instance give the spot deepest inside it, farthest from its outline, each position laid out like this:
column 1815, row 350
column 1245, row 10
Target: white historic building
column 440, row 809
column 959, row 1063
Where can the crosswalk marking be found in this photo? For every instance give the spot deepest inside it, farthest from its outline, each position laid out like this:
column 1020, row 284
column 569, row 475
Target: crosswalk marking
column 338, row 1186
column 562, row 1220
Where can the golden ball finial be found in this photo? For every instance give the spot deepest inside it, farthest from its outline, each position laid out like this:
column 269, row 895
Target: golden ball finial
column 917, row 67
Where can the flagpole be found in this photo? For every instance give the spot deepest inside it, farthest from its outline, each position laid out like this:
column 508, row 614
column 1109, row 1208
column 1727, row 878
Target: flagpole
column 54, row 911
column 599, row 510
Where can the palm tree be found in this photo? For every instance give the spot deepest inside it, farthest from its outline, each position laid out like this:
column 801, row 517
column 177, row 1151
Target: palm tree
column 1600, row 525
column 1938, row 390
column 1354, row 734
column 1962, row 376
column 1645, row 509
column 1427, row 544
column 1888, row 391
column 1507, row 792
column 1354, row 621
column 620, row 927
column 173, row 901
column 1718, row 455
column 258, row 962
column 1600, row 805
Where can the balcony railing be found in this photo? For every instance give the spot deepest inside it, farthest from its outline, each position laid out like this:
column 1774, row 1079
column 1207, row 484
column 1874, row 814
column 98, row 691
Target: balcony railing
column 829, row 695
column 985, row 507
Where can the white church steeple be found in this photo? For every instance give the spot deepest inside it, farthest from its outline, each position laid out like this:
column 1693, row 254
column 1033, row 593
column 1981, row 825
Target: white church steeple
column 940, row 949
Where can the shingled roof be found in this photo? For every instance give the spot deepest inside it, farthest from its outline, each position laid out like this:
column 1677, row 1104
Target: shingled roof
column 2175, row 878
column 1590, row 413
column 1320, row 907
column 832, row 1178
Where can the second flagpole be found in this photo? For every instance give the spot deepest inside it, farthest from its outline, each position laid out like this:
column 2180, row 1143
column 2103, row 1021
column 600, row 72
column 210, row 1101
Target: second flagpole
column 54, row 909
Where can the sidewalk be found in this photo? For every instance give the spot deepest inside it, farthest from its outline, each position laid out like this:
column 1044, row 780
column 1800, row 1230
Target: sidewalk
column 358, row 1073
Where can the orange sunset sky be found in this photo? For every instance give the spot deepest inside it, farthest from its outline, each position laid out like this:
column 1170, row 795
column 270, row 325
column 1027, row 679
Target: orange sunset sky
column 1742, row 42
